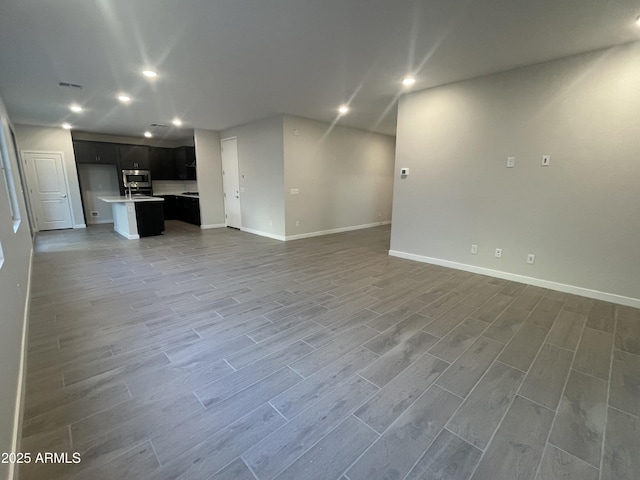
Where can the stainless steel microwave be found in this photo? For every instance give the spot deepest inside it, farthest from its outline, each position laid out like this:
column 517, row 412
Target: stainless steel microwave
column 136, row 179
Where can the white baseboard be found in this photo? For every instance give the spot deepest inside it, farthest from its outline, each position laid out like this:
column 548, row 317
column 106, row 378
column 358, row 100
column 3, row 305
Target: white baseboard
column 22, row 371
column 263, row 234
column 80, row 225
column 336, row 230
column 538, row 282
column 128, row 236
column 313, row 234
column 213, row 225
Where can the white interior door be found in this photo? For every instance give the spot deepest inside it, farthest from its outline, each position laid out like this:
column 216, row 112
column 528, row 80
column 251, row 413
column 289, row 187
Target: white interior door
column 48, row 190
column 231, row 182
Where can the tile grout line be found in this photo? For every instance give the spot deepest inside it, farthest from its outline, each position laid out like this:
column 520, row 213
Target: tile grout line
column 564, row 387
column 609, row 382
column 488, row 445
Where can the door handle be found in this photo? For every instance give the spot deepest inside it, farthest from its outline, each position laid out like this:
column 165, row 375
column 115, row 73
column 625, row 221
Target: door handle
column 237, row 196
column 63, row 196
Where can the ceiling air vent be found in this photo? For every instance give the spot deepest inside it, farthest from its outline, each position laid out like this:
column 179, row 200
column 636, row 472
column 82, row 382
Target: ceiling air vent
column 69, row 85
column 159, row 125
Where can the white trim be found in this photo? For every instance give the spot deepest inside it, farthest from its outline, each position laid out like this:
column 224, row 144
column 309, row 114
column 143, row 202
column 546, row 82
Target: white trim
column 97, row 222
column 263, row 234
column 336, row 230
column 538, row 282
column 22, row 370
column 84, row 225
column 128, row 236
column 213, row 225
column 314, row 234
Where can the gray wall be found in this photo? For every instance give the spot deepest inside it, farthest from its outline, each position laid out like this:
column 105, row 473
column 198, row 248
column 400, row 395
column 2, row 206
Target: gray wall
column 55, row 140
column 579, row 215
column 344, row 176
column 14, row 275
column 261, row 166
column 209, row 166
column 98, row 181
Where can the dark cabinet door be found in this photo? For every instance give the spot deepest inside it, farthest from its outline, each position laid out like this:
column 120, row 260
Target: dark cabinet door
column 188, row 210
column 95, row 152
column 162, row 163
column 150, row 218
column 169, row 207
column 107, row 152
column 186, row 163
column 134, row 157
column 193, row 211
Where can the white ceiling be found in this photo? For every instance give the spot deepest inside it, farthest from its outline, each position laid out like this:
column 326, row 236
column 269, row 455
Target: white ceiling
column 223, row 63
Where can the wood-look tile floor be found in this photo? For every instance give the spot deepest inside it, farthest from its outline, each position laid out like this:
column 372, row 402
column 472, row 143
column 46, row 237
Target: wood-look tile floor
column 223, row 355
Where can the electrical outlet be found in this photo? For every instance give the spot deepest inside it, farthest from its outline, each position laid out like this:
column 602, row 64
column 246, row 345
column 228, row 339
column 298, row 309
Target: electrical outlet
column 498, row 253
column 531, row 258
column 474, row 249
column 546, row 160
column 297, row 223
column 511, row 162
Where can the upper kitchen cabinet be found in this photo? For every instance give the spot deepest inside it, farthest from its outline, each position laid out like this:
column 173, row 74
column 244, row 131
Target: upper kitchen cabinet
column 95, row 152
column 134, row 157
column 186, row 163
column 162, row 163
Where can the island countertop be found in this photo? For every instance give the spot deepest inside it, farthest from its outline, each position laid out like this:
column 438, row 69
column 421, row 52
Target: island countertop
column 134, row 199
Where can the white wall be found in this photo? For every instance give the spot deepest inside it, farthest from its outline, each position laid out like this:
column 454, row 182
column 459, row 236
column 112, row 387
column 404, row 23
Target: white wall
column 55, row 140
column 344, row 177
column 261, row 166
column 98, row 181
column 579, row 216
column 209, row 171
column 14, row 278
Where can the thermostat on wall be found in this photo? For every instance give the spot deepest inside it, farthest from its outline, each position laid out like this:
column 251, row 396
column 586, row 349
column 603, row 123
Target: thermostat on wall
column 404, row 172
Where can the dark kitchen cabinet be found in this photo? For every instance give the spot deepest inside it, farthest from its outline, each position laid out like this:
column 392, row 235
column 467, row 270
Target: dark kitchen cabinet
column 169, row 206
column 134, row 157
column 188, row 210
column 162, row 163
column 186, row 163
column 95, row 152
column 150, row 218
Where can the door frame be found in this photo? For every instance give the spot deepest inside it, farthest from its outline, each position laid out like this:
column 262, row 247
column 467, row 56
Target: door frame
column 30, row 181
column 223, row 174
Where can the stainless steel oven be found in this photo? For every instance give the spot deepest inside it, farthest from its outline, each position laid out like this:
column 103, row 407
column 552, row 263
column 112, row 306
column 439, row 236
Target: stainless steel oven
column 137, row 181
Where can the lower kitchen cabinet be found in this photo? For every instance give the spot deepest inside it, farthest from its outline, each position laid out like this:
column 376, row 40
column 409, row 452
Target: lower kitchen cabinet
column 186, row 209
column 170, row 211
column 150, row 218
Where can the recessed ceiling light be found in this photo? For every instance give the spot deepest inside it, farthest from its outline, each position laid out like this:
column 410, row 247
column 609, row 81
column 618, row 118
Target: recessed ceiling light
column 66, row 126
column 343, row 109
column 177, row 122
column 148, row 134
column 408, row 81
column 75, row 108
column 150, row 73
column 124, row 98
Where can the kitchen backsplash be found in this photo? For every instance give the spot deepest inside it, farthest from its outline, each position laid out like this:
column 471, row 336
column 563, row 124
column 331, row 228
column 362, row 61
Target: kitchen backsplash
column 165, row 187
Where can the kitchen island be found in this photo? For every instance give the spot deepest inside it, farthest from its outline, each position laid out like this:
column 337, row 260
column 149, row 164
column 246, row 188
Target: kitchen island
column 137, row 215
